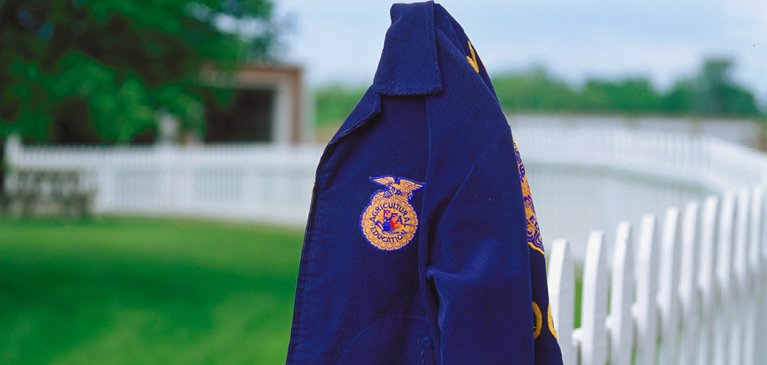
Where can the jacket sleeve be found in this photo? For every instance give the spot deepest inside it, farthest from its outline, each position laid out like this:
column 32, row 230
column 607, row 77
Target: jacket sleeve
column 480, row 264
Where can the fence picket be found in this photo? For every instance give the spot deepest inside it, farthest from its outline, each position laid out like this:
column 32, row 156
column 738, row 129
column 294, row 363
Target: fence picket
column 762, row 332
column 700, row 298
column 669, row 285
column 561, row 277
column 741, row 286
column 688, row 288
column 646, row 314
column 755, row 308
column 594, row 303
column 706, row 279
column 724, row 289
column 622, row 296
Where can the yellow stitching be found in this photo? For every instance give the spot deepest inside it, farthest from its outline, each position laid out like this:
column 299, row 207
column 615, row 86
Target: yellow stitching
column 473, row 59
column 551, row 324
column 538, row 321
column 312, row 198
column 536, row 248
column 534, row 239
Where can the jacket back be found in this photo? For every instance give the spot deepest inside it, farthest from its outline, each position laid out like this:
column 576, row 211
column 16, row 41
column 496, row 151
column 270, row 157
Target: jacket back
column 422, row 245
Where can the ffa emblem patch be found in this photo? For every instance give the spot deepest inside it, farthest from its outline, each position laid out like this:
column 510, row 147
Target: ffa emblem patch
column 389, row 222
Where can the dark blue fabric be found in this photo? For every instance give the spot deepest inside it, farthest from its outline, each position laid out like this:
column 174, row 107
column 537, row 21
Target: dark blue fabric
column 428, row 139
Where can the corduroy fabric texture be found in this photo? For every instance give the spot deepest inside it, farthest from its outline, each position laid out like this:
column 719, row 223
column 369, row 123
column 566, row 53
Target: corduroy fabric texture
column 428, row 142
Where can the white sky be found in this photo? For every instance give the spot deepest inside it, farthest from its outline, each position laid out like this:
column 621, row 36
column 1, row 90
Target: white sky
column 341, row 40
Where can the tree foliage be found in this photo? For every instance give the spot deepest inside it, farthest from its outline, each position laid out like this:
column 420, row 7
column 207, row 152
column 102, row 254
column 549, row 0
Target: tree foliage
column 712, row 92
column 718, row 94
column 96, row 71
column 535, row 90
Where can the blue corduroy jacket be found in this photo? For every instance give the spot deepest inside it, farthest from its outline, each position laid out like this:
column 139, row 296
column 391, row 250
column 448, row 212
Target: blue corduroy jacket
column 422, row 245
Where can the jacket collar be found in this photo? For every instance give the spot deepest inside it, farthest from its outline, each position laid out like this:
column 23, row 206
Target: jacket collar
column 409, row 64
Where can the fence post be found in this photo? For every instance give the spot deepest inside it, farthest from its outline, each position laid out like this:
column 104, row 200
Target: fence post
column 561, row 279
column 688, row 288
column 669, row 285
column 724, row 290
column 622, row 296
column 706, row 279
column 14, row 148
column 646, row 310
column 594, row 302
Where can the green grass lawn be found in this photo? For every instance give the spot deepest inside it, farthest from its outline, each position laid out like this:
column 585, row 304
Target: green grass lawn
column 145, row 291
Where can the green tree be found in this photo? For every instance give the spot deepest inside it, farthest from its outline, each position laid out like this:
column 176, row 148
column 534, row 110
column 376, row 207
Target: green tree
column 630, row 96
column 712, row 92
column 681, row 99
column 96, row 71
column 720, row 95
column 534, row 90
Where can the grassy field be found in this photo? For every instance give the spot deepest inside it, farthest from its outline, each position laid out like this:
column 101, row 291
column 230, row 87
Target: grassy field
column 145, row 291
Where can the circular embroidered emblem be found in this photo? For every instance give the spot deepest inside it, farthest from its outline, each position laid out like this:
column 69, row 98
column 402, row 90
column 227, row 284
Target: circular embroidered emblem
column 389, row 222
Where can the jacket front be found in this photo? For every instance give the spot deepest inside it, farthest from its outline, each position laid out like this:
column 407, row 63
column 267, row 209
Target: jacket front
column 421, row 245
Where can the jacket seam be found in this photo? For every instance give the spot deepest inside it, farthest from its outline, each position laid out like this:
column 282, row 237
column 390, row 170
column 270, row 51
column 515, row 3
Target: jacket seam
column 309, row 240
column 437, row 336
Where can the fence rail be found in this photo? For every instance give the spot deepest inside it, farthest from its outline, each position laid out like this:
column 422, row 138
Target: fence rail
column 689, row 160
column 691, row 291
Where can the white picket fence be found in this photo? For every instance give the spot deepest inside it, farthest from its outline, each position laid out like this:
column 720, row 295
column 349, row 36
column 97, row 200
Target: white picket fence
column 264, row 183
column 273, row 183
column 690, row 291
column 585, row 178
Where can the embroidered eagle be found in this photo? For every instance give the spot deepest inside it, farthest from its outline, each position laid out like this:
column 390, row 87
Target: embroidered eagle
column 404, row 187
